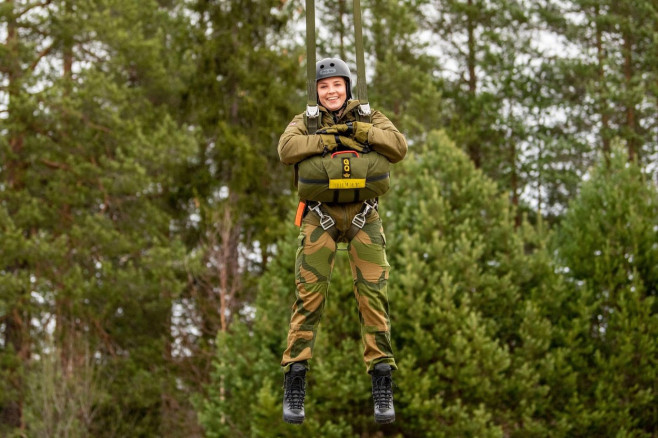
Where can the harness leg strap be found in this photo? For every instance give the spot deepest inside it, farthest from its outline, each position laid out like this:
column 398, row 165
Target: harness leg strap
column 326, row 221
column 360, row 218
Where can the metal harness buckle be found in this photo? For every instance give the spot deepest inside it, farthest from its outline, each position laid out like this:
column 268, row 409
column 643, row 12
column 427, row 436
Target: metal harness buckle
column 359, row 220
column 326, row 221
column 312, row 111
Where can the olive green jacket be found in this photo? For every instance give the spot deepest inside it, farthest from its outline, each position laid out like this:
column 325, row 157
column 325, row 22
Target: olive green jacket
column 296, row 144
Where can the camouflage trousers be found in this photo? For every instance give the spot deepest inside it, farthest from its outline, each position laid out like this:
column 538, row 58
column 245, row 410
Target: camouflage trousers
column 313, row 267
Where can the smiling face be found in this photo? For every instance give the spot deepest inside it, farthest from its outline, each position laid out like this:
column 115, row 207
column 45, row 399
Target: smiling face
column 332, row 92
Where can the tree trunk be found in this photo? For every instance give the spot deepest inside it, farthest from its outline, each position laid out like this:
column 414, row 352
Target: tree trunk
column 11, row 413
column 603, row 108
column 514, row 183
column 474, row 150
column 14, row 166
column 630, row 106
column 65, row 328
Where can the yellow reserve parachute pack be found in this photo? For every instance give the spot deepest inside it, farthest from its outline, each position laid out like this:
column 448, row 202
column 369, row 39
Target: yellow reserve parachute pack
column 344, row 176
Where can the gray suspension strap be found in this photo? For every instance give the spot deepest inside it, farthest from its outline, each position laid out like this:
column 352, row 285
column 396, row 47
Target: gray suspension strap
column 312, row 114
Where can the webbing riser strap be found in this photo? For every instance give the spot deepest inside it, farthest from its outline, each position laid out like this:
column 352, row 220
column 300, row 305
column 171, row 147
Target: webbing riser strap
column 310, row 54
column 361, row 86
column 312, row 111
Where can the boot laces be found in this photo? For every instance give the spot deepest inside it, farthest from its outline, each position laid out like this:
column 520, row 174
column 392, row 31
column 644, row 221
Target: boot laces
column 382, row 391
column 295, row 391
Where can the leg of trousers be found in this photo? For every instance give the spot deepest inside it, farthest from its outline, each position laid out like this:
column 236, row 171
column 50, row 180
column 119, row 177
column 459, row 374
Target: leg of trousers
column 370, row 268
column 314, row 264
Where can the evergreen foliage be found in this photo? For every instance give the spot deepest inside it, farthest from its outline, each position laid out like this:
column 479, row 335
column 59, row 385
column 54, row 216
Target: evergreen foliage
column 471, row 341
column 403, row 84
column 88, row 253
column 146, row 238
column 607, row 245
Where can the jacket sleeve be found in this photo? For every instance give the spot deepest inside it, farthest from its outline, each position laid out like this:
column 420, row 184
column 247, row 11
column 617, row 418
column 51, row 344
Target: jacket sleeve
column 295, row 144
column 385, row 138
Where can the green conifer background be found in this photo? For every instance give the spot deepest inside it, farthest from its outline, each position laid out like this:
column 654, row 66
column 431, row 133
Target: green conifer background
column 146, row 237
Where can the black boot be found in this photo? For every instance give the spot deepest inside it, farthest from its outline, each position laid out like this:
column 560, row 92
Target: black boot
column 382, row 393
column 294, row 389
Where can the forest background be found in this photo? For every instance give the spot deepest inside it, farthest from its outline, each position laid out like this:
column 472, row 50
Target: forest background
column 147, row 244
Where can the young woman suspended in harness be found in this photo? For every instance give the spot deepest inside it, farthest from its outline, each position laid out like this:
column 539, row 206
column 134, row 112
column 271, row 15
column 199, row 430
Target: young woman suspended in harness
column 352, row 220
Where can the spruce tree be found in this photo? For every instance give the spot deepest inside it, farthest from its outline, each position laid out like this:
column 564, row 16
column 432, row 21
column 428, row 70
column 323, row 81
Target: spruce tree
column 607, row 246
column 471, row 330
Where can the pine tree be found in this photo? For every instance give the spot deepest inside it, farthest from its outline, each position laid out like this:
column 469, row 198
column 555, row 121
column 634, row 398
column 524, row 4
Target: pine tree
column 241, row 93
column 602, row 84
column 88, row 159
column 402, row 85
column 334, row 23
column 494, row 105
column 242, row 82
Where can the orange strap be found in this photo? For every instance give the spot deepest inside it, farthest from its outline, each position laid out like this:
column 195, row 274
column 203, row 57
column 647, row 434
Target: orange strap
column 300, row 213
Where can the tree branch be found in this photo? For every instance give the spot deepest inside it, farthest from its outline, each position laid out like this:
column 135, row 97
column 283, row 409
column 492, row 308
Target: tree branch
column 107, row 340
column 55, row 165
column 85, row 119
column 43, row 53
column 28, row 8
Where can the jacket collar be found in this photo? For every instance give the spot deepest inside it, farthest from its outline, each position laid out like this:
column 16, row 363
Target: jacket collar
column 351, row 105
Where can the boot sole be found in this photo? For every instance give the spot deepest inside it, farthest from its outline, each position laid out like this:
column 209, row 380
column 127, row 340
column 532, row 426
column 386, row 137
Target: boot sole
column 384, row 420
column 293, row 420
